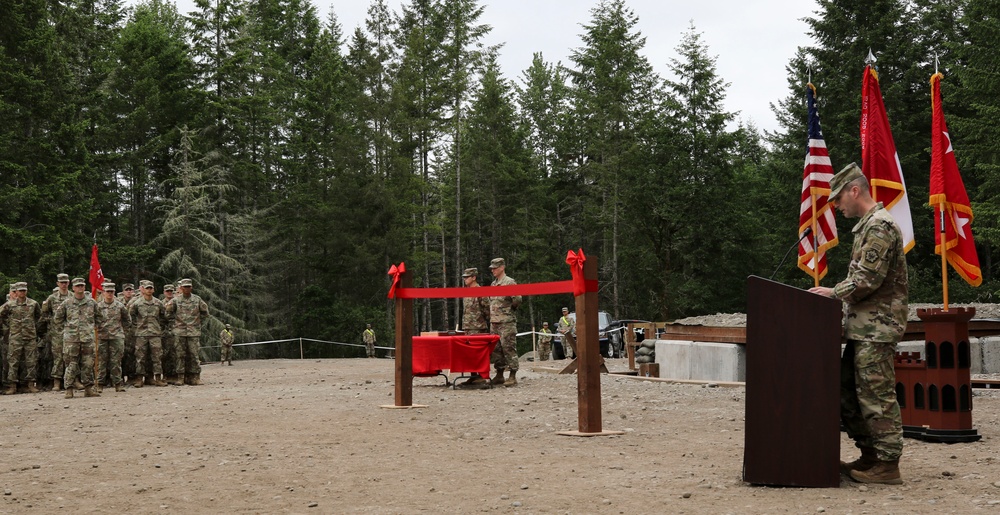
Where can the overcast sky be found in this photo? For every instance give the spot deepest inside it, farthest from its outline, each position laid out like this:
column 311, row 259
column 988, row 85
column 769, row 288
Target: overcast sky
column 753, row 41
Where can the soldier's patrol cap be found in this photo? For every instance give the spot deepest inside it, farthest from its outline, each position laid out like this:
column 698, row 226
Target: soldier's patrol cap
column 184, row 282
column 62, row 278
column 470, row 272
column 79, row 281
column 566, row 310
column 21, row 286
column 13, row 286
column 145, row 284
column 844, row 177
column 128, row 286
column 228, row 326
column 545, row 324
column 108, row 286
column 168, row 287
column 497, row 263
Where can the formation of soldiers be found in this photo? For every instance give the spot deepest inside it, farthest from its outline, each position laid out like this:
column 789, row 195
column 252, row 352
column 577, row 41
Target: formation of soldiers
column 74, row 342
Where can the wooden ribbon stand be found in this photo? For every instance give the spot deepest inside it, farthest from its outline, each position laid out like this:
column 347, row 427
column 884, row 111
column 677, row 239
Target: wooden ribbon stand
column 589, row 361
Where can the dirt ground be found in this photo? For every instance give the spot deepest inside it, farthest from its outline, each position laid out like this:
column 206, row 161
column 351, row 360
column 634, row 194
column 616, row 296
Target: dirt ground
column 310, row 437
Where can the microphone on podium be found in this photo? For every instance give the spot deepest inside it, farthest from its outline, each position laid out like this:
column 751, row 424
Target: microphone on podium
column 805, row 233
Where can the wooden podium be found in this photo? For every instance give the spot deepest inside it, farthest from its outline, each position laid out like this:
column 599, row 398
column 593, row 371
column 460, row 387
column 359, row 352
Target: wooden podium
column 792, row 435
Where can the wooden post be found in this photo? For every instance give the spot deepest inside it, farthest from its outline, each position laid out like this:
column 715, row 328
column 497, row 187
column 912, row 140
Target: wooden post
column 404, row 344
column 588, row 346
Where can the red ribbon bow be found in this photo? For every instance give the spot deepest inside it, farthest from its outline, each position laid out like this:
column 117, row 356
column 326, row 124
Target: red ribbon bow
column 395, row 272
column 575, row 262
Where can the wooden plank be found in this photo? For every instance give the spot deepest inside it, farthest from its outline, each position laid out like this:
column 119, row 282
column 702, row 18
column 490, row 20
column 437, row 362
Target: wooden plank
column 589, row 350
column 723, row 384
column 404, row 344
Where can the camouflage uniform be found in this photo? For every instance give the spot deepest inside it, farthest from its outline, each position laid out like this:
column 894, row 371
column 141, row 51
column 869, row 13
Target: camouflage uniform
column 567, row 328
column 53, row 331
column 22, row 317
column 476, row 315
column 169, row 342
column 149, row 317
column 544, row 344
column 368, row 336
column 875, row 313
column 503, row 322
column 78, row 317
column 226, row 340
column 4, row 336
column 128, row 355
column 111, row 340
column 188, row 311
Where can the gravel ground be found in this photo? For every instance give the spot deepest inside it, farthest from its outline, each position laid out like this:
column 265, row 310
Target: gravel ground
column 290, row 436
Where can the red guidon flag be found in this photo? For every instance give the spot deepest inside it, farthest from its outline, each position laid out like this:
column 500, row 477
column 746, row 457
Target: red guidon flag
column 96, row 274
column 879, row 160
column 948, row 193
column 814, row 211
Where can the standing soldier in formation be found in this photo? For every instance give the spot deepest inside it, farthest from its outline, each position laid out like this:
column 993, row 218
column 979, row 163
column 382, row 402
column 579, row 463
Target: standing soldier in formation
column 475, row 316
column 368, row 336
column 169, row 344
column 54, row 330
column 111, row 339
column 188, row 311
column 544, row 343
column 5, row 335
column 128, row 356
column 22, row 316
column 226, row 341
column 503, row 322
column 149, row 317
column 79, row 316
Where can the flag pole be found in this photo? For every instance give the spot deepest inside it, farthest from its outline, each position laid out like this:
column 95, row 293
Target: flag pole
column 944, row 255
column 815, row 239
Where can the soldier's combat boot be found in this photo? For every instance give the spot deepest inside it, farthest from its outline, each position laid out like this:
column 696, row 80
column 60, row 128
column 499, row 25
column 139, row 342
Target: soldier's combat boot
column 137, row 382
column 499, row 377
column 196, row 380
column 119, row 387
column 10, row 390
column 231, row 363
column 33, row 387
column 175, row 381
column 512, row 380
column 57, row 385
column 69, row 393
column 882, row 472
column 867, row 460
column 77, row 384
column 158, row 380
column 90, row 391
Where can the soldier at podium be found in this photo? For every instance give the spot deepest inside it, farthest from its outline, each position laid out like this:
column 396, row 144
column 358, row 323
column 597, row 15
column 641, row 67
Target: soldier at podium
column 875, row 306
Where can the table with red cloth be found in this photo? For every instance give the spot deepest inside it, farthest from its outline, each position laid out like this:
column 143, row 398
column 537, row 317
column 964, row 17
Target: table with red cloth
column 460, row 353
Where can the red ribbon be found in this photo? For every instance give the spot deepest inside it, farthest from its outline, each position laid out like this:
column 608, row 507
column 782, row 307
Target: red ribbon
column 395, row 272
column 575, row 262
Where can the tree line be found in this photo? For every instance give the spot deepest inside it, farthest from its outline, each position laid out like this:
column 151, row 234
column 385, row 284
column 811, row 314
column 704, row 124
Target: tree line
column 284, row 163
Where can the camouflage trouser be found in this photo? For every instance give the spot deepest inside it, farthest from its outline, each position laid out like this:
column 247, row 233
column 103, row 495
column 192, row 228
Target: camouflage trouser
column 169, row 359
column 227, row 353
column 544, row 348
column 109, row 361
column 505, row 353
column 868, row 406
column 79, row 358
column 3, row 359
column 22, row 359
column 188, row 348
column 58, row 365
column 369, row 349
column 153, row 346
column 569, row 345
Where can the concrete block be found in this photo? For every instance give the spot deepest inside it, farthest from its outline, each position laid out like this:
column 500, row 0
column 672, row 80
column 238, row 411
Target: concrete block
column 989, row 352
column 701, row 361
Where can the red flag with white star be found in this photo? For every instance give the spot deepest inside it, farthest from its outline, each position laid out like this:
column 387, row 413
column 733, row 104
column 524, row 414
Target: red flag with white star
column 948, row 194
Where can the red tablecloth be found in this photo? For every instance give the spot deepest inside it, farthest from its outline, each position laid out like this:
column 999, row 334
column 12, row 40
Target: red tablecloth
column 459, row 353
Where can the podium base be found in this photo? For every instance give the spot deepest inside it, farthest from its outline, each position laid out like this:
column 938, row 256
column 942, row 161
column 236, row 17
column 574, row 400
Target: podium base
column 578, row 433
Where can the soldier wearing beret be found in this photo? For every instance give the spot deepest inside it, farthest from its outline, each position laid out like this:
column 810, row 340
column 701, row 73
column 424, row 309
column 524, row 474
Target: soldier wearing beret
column 875, row 307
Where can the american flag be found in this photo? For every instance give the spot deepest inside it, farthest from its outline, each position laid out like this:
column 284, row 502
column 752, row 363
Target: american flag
column 814, row 212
